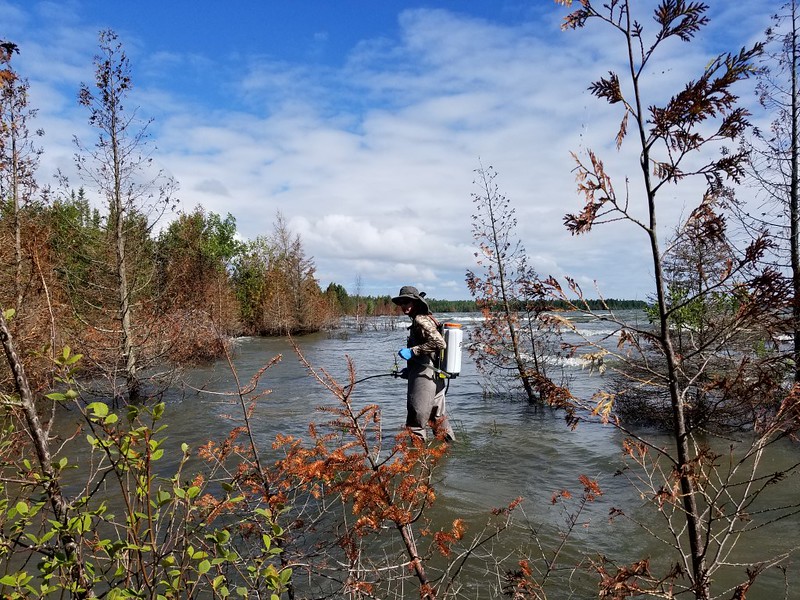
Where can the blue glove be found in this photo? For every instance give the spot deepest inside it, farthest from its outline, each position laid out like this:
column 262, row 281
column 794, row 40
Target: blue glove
column 406, row 353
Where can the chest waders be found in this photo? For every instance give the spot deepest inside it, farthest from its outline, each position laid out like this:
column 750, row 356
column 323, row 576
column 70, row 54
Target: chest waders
column 427, row 382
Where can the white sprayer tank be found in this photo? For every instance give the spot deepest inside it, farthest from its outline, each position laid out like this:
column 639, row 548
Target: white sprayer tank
column 454, row 338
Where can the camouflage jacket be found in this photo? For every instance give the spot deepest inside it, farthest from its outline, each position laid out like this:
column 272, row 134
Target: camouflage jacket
column 424, row 337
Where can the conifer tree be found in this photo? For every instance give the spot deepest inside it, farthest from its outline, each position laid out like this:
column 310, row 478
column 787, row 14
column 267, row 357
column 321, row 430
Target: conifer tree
column 118, row 168
column 774, row 152
column 512, row 338
column 703, row 500
column 19, row 159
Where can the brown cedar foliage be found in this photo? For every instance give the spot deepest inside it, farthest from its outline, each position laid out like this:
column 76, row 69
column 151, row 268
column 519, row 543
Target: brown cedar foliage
column 699, row 494
column 365, row 485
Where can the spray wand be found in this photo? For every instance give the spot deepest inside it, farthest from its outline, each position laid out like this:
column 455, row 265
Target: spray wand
column 395, row 372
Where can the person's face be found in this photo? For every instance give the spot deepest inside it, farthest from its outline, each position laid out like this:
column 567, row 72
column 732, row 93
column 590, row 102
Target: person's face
column 406, row 306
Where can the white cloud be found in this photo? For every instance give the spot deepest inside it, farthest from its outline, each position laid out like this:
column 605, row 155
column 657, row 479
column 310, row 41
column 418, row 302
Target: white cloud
column 372, row 163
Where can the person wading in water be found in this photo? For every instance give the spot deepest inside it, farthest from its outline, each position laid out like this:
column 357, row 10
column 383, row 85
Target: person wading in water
column 426, row 389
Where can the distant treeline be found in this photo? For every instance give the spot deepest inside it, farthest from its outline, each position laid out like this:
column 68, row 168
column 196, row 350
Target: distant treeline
column 611, row 304
column 382, row 305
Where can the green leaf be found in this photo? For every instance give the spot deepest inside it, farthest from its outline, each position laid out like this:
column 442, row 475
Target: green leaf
column 204, row 567
column 98, row 409
column 9, row 313
column 22, row 508
column 162, row 497
column 222, row 536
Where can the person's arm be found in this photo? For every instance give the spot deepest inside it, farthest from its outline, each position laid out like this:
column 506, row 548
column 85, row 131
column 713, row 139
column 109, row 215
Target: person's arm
column 433, row 340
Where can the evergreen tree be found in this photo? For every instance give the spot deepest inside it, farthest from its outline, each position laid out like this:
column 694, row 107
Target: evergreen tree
column 512, row 338
column 706, row 504
column 774, row 152
column 118, row 168
column 195, row 254
column 19, row 158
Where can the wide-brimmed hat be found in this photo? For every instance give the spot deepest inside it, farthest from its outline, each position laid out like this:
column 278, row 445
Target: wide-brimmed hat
column 409, row 292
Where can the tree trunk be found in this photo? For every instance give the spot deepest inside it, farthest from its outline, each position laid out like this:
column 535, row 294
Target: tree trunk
column 426, row 591
column 680, row 433
column 522, row 368
column 42, row 448
column 794, row 210
column 17, row 220
column 118, row 208
column 679, row 428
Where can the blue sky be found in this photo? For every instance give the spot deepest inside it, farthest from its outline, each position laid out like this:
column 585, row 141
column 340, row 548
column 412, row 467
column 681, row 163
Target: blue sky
column 362, row 122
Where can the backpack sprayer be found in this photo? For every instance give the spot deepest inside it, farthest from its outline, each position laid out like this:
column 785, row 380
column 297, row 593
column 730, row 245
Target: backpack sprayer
column 446, row 364
column 450, row 357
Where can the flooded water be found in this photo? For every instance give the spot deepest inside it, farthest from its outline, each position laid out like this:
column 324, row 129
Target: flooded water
column 505, row 448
